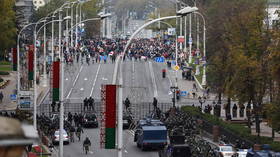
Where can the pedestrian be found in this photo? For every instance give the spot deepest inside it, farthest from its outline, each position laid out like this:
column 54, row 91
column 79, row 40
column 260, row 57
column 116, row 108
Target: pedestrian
column 1, row 97
column 91, row 103
column 155, row 103
column 76, row 119
column 70, row 117
column 58, row 106
column 127, row 103
column 85, row 104
column 53, row 106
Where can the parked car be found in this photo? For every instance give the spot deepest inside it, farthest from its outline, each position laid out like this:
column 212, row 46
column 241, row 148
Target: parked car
column 90, row 120
column 225, row 150
column 242, row 152
column 66, row 139
column 180, row 150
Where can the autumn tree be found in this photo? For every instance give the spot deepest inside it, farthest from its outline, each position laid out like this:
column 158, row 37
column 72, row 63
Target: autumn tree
column 7, row 26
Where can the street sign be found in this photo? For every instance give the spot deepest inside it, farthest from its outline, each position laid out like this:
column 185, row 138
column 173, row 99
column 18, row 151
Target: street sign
column 159, row 59
column 171, row 31
column 183, row 93
column 181, row 39
column 190, row 40
column 176, row 67
column 13, row 97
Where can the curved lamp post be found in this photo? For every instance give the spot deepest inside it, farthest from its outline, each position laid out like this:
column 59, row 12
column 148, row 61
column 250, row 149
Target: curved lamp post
column 180, row 13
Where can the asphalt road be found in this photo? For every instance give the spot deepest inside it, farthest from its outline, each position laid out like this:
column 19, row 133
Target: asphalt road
column 142, row 81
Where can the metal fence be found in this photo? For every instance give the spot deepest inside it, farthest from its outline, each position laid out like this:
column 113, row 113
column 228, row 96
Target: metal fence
column 139, row 110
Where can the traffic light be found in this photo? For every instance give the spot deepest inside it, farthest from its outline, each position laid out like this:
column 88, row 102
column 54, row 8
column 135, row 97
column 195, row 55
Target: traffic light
column 30, row 64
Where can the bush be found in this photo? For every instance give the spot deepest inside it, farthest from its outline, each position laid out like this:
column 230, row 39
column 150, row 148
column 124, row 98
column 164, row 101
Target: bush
column 238, row 129
column 4, row 73
column 1, row 80
column 5, row 63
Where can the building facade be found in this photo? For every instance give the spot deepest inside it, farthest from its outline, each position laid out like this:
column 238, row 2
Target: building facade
column 273, row 9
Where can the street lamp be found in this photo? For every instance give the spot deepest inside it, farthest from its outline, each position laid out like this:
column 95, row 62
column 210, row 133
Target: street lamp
column 18, row 56
column 204, row 49
column 180, row 13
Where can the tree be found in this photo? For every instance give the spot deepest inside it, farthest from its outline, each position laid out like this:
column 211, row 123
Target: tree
column 7, row 25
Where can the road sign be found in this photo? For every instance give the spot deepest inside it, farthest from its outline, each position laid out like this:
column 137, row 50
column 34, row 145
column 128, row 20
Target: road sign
column 183, row 93
column 13, row 97
column 159, row 59
column 176, row 67
column 190, row 40
column 181, row 39
column 171, row 31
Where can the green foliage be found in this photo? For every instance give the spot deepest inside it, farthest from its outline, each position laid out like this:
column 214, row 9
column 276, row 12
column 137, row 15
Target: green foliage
column 5, row 63
column 1, row 80
column 238, row 129
column 4, row 73
column 7, row 25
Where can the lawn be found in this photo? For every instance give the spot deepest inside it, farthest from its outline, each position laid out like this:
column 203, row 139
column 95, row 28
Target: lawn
column 5, row 66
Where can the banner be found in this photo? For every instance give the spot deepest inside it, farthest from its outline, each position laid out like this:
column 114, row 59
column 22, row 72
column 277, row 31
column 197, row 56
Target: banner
column 108, row 120
column 30, row 64
column 55, row 85
column 14, row 53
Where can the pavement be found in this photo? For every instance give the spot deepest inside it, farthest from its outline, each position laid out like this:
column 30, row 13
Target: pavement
column 9, row 105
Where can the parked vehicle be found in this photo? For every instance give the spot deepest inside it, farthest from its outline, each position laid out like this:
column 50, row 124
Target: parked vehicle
column 66, row 139
column 150, row 134
column 179, row 150
column 225, row 150
column 90, row 120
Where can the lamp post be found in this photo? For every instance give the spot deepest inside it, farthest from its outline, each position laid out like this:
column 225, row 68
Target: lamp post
column 35, row 76
column 18, row 56
column 180, row 13
column 204, row 49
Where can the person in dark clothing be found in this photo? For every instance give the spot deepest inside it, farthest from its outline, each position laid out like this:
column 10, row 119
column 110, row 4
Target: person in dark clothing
column 85, row 104
column 127, row 103
column 53, row 106
column 155, row 103
column 70, row 117
column 58, row 106
column 76, row 119
column 91, row 103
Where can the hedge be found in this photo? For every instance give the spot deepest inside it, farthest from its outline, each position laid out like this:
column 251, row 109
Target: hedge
column 4, row 73
column 1, row 80
column 238, row 129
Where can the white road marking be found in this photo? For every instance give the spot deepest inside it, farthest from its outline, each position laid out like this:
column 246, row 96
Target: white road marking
column 94, row 82
column 66, row 79
column 153, row 79
column 104, row 79
column 86, row 79
column 75, row 81
column 82, row 89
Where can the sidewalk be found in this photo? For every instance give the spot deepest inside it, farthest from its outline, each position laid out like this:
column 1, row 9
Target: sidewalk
column 266, row 131
column 186, row 85
column 7, row 104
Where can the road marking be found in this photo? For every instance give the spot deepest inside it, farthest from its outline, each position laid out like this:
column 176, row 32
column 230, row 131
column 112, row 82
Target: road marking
column 66, row 79
column 82, row 89
column 94, row 82
column 86, row 79
column 114, row 80
column 153, row 79
column 104, row 79
column 75, row 81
